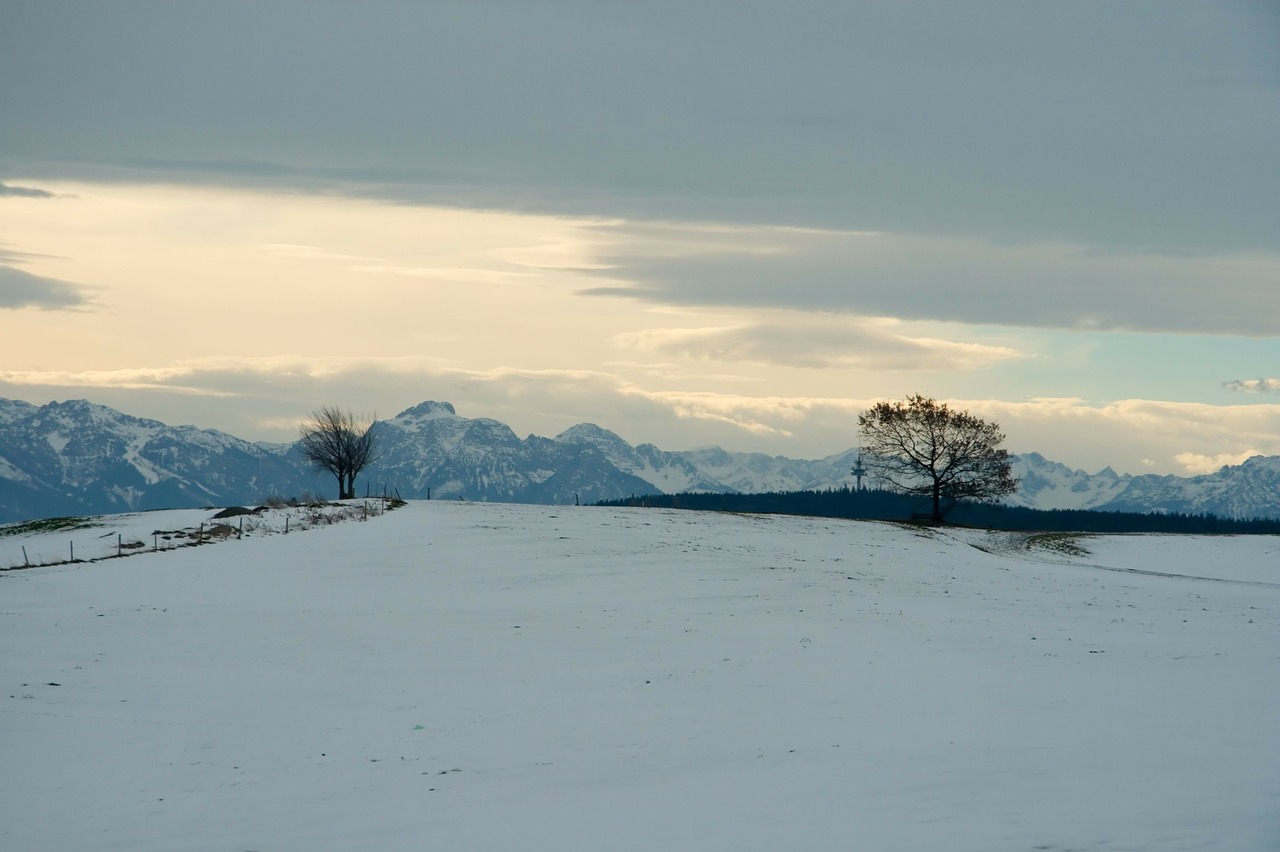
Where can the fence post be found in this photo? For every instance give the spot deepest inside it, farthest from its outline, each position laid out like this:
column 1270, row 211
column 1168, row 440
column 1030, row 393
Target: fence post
column 240, row 534
column 73, row 551
column 200, row 537
column 119, row 545
column 286, row 524
column 25, row 560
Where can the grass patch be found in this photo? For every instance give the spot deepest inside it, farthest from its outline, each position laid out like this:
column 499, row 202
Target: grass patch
column 44, row 525
column 1063, row 544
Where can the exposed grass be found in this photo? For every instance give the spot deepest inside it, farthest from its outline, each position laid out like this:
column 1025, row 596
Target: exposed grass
column 1065, row 544
column 47, row 525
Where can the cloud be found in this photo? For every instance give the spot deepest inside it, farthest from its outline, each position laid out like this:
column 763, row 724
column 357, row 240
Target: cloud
column 305, row 252
column 983, row 119
column 11, row 191
column 768, row 416
column 257, row 398
column 453, row 274
column 20, row 289
column 1197, row 463
column 1254, row 385
column 956, row 279
column 809, row 342
column 1158, row 430
column 169, row 379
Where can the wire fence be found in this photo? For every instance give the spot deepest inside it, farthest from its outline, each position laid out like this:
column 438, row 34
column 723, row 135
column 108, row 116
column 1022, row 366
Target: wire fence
column 64, row 541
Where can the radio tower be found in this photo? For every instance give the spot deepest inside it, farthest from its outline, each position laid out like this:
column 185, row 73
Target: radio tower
column 858, row 470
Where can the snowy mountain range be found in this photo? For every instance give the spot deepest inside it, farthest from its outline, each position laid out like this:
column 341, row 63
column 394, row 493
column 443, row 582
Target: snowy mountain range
column 74, row 458
column 77, row 457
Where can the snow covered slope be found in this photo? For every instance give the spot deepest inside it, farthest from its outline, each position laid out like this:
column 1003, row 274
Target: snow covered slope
column 504, row 677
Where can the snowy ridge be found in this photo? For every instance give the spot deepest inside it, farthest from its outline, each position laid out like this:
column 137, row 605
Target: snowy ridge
column 78, row 458
column 429, row 450
column 1043, row 484
column 1247, row 490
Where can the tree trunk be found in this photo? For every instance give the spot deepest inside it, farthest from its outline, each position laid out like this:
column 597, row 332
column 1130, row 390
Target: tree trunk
column 937, row 503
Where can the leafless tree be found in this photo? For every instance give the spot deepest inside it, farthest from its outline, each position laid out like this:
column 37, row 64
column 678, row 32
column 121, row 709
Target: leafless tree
column 921, row 446
column 336, row 440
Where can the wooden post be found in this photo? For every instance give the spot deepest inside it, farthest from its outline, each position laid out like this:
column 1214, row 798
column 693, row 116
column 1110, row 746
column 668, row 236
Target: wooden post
column 286, row 524
column 118, row 545
column 200, row 537
column 25, row 560
column 240, row 534
column 73, row 551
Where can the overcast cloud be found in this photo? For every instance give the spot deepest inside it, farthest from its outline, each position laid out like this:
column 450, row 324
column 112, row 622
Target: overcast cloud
column 1145, row 125
column 957, row 279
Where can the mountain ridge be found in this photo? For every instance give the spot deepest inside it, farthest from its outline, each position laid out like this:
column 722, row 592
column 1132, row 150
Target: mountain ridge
column 78, row 457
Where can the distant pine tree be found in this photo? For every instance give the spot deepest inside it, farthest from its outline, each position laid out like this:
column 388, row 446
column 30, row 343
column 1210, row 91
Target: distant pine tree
column 890, row 506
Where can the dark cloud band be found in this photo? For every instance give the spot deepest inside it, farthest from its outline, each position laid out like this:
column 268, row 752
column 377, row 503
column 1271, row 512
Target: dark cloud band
column 19, row 289
column 11, row 191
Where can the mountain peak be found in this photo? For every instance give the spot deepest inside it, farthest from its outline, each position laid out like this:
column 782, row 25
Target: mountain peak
column 589, row 433
column 78, row 406
column 428, row 410
column 1258, row 463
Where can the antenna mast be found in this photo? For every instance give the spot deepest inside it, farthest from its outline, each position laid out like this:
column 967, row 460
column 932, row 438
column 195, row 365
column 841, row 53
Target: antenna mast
column 858, row 470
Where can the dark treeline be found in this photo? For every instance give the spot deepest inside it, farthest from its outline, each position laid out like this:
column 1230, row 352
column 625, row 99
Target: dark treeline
column 889, row 506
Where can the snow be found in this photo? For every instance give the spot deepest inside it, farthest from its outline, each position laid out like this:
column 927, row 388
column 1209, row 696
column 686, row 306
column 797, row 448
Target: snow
column 670, row 480
column 9, row 471
column 412, row 419
column 1044, row 484
column 145, row 469
column 486, row 676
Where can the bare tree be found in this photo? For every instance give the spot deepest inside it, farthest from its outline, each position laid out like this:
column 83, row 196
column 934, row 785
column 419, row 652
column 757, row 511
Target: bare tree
column 336, row 440
column 921, row 446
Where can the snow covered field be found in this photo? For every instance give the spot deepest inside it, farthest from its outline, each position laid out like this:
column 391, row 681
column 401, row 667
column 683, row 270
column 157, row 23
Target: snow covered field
column 498, row 677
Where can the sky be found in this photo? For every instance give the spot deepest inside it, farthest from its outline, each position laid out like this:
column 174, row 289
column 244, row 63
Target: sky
column 734, row 223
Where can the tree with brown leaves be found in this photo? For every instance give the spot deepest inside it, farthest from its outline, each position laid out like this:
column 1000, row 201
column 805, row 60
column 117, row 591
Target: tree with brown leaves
column 922, row 446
